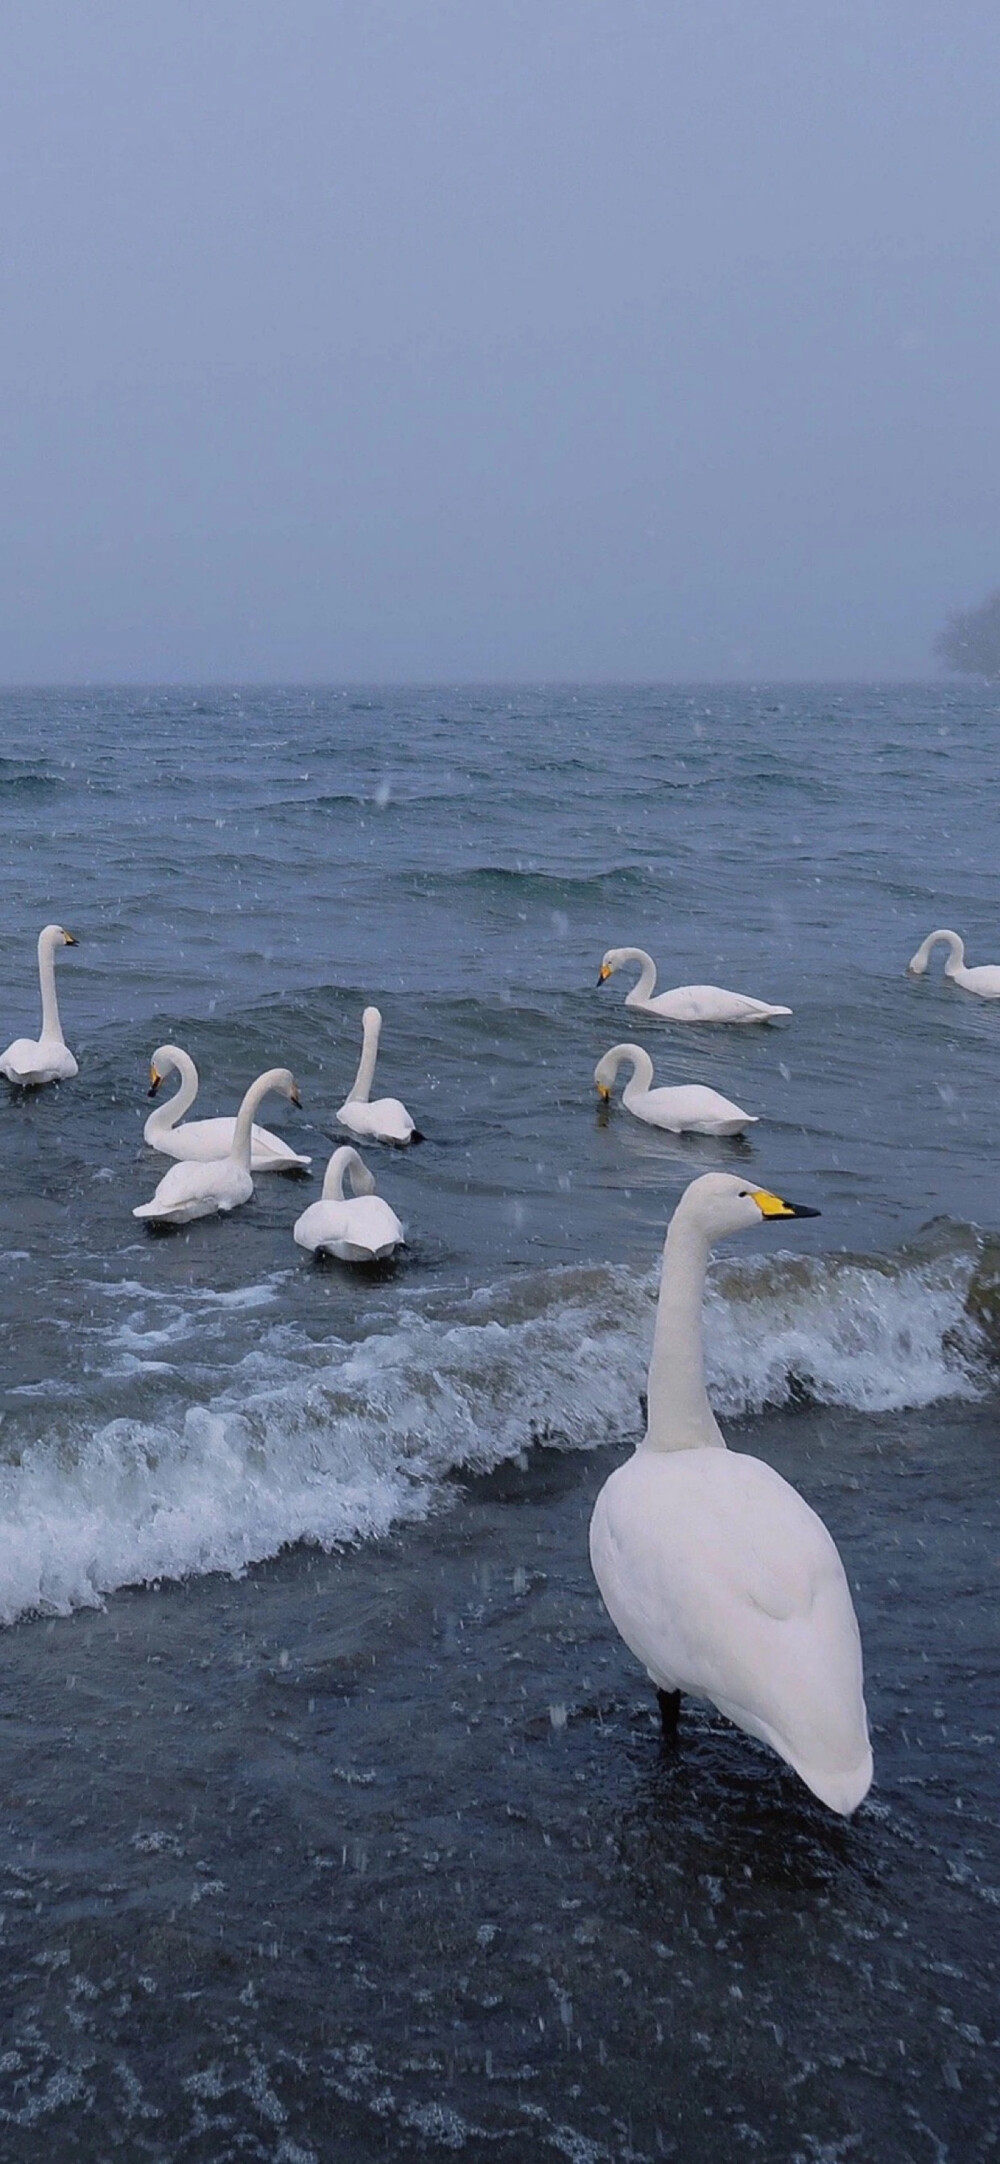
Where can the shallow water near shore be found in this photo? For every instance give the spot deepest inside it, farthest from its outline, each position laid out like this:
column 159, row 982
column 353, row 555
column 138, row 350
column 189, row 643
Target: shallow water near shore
column 381, row 1855
column 336, row 1822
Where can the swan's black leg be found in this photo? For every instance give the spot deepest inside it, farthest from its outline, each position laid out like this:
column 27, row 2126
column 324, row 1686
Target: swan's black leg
column 669, row 1703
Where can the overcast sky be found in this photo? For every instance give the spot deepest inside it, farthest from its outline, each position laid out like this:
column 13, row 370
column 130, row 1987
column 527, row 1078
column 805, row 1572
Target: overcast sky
column 427, row 339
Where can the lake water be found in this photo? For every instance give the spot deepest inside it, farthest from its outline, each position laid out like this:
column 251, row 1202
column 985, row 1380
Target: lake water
column 244, row 871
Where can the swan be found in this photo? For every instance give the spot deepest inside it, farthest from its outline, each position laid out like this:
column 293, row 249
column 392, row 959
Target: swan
column 361, row 1230
column 687, row 1002
column 984, row 980
column 30, row 1061
column 199, row 1189
column 386, row 1120
column 201, row 1139
column 716, row 1573
column 689, row 1109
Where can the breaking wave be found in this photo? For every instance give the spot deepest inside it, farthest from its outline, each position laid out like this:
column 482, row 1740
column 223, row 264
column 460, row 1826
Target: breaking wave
column 337, row 1442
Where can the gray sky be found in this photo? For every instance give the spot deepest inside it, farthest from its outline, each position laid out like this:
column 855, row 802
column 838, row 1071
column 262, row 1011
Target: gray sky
column 496, row 338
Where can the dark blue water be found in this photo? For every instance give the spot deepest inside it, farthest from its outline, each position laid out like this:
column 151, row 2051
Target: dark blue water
column 244, row 871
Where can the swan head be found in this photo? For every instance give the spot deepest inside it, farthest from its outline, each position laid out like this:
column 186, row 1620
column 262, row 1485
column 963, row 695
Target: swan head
column 917, row 965
column 167, row 1059
column 607, row 1068
column 371, row 1021
column 56, row 935
column 613, row 960
column 720, row 1203
column 276, row 1078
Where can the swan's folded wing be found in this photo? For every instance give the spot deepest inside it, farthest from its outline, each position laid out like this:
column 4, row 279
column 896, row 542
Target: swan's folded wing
column 319, row 1225
column 20, row 1058
column 191, row 1181
column 269, row 1153
column 776, row 1552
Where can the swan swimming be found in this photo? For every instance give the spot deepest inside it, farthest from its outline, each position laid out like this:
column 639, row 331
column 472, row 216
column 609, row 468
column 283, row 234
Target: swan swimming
column 362, row 1229
column 386, row 1120
column 196, row 1189
column 201, row 1139
column 687, row 1002
column 716, row 1573
column 687, row 1109
column 31, row 1061
column 984, row 979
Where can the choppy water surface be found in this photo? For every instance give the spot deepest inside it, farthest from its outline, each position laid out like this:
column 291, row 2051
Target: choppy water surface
column 244, row 870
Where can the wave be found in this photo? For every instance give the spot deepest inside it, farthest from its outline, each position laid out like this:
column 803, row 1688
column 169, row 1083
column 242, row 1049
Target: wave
column 527, row 884
column 336, row 1443
column 873, row 1334
column 26, row 777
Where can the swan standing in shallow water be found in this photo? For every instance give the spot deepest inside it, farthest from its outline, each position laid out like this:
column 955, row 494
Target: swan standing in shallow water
column 689, row 1108
column 687, row 1002
column 201, row 1139
column 386, row 1120
column 363, row 1229
column 221, row 1183
column 984, row 979
column 30, row 1061
column 717, row 1574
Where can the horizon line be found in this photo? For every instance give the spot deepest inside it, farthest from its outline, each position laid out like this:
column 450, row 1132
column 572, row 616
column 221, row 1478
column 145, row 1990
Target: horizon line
column 943, row 681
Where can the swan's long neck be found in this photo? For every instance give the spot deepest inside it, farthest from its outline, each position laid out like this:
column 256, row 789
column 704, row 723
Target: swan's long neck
column 956, row 951
column 243, row 1131
column 645, row 984
column 361, row 1088
column 51, row 1025
column 346, row 1160
column 165, row 1117
column 680, row 1416
column 641, row 1078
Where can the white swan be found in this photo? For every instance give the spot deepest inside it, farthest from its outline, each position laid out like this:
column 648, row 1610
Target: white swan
column 364, row 1229
column 984, row 979
column 30, row 1061
column 717, row 1574
column 221, row 1183
column 687, row 1002
column 386, row 1120
column 689, row 1108
column 201, row 1139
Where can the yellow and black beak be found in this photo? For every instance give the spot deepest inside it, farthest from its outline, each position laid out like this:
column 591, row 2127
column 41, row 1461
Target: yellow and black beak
column 604, row 1093
column 605, row 973
column 772, row 1205
column 69, row 941
column 154, row 1082
column 294, row 1095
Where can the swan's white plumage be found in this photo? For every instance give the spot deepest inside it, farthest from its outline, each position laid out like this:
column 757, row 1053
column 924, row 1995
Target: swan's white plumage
column 194, row 1189
column 686, row 1002
column 387, row 1120
column 361, row 1228
column 167, row 1130
column 725, row 1584
column 716, row 1572
column 684, row 1108
column 32, row 1061
column 983, row 979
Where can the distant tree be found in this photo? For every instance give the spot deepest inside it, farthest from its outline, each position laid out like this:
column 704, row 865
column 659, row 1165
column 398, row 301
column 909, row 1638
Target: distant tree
column 971, row 639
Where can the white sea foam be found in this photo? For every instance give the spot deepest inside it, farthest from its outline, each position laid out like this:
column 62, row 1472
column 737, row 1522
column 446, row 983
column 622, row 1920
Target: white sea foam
column 842, row 1332
column 337, row 1443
